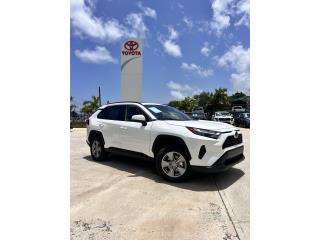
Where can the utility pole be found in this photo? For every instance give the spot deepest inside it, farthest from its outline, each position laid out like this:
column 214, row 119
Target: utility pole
column 99, row 97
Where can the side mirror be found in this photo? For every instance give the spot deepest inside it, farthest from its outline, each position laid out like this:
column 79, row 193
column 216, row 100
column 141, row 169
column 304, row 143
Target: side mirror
column 139, row 118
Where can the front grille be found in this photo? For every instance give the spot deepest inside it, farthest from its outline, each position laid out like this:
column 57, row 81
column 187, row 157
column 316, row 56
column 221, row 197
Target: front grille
column 231, row 141
column 224, row 119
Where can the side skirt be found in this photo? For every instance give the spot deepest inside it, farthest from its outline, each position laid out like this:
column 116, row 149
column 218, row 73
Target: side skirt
column 128, row 153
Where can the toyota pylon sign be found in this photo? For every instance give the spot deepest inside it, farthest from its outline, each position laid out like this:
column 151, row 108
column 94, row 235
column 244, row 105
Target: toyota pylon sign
column 131, row 70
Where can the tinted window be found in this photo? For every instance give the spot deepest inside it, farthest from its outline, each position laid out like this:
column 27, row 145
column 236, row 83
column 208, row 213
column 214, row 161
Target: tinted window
column 113, row 113
column 134, row 110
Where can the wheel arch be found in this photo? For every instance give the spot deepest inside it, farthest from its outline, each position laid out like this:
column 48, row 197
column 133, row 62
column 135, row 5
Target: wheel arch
column 95, row 133
column 165, row 140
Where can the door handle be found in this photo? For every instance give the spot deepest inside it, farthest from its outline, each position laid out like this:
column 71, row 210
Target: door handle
column 123, row 128
column 101, row 125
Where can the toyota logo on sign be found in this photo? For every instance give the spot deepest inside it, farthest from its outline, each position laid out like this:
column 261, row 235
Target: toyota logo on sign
column 131, row 45
column 130, row 48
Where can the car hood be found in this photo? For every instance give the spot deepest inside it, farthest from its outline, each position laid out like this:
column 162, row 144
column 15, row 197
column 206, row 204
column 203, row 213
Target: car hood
column 210, row 125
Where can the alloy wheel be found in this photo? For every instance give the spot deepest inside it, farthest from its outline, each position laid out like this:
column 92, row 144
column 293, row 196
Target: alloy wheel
column 174, row 164
column 96, row 149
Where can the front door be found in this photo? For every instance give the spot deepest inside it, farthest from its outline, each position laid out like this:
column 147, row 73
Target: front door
column 135, row 136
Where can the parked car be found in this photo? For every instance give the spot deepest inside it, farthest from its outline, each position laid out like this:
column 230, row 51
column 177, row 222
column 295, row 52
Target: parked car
column 175, row 141
column 198, row 110
column 199, row 116
column 242, row 120
column 222, row 117
column 238, row 109
column 196, row 115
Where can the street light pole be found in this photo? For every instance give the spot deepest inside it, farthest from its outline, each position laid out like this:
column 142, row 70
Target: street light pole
column 99, row 96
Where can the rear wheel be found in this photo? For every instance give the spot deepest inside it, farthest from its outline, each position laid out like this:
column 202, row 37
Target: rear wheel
column 172, row 164
column 97, row 149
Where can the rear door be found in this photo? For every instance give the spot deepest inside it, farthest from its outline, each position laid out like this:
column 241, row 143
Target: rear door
column 136, row 137
column 110, row 121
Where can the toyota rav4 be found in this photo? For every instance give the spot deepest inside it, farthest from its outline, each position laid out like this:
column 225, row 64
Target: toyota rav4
column 174, row 140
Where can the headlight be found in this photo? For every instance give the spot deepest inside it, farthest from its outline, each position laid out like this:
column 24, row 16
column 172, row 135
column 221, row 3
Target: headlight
column 205, row 133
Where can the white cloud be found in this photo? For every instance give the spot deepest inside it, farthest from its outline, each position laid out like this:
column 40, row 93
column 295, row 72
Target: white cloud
column 99, row 55
column 206, row 49
column 169, row 44
column 84, row 23
column 178, row 87
column 172, row 48
column 202, row 72
column 177, row 95
column 237, row 58
column 180, row 5
column 188, row 22
column 223, row 10
column 243, row 8
column 173, row 34
column 179, row 91
column 138, row 28
column 149, row 12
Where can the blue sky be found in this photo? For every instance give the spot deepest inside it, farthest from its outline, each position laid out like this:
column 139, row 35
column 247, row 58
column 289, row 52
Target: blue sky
column 189, row 46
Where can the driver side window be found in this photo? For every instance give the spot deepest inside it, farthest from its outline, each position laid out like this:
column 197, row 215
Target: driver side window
column 134, row 110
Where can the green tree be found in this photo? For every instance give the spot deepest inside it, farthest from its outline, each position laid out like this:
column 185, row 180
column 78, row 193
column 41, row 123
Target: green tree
column 91, row 106
column 220, row 99
column 72, row 105
column 204, row 99
column 188, row 104
column 237, row 95
column 175, row 104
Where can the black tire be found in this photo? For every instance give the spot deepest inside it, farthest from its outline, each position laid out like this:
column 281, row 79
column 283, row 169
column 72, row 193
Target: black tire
column 181, row 164
column 96, row 143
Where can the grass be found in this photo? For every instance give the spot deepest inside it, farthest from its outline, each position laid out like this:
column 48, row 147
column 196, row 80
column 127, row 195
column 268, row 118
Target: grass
column 79, row 125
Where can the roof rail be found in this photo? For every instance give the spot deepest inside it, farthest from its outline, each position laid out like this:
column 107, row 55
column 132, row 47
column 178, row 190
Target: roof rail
column 124, row 102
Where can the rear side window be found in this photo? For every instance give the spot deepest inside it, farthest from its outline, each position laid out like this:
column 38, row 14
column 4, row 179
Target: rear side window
column 135, row 110
column 113, row 113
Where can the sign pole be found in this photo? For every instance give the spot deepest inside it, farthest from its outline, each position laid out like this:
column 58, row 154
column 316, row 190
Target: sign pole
column 131, row 70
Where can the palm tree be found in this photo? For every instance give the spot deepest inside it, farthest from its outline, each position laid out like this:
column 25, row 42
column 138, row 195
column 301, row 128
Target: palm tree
column 90, row 106
column 188, row 103
column 220, row 99
column 204, row 99
column 72, row 105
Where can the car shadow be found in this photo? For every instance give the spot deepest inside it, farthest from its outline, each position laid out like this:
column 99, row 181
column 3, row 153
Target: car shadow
column 196, row 182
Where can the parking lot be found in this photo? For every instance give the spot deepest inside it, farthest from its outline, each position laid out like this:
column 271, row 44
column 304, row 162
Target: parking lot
column 123, row 198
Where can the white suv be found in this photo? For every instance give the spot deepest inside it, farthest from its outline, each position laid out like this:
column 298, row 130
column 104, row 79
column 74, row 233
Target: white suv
column 223, row 117
column 175, row 141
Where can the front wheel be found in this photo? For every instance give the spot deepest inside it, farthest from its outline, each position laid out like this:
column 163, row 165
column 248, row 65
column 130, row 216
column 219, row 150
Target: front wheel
column 172, row 164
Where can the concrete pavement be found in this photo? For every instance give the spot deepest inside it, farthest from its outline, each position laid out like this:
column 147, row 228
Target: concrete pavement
column 123, row 198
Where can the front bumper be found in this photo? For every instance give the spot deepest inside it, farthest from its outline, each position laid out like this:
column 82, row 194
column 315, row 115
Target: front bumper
column 226, row 161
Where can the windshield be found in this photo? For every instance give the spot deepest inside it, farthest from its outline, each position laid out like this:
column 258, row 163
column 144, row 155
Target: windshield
column 162, row 112
column 222, row 114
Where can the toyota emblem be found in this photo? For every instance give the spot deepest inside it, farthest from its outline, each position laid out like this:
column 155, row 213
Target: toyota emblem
column 131, row 45
column 236, row 134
